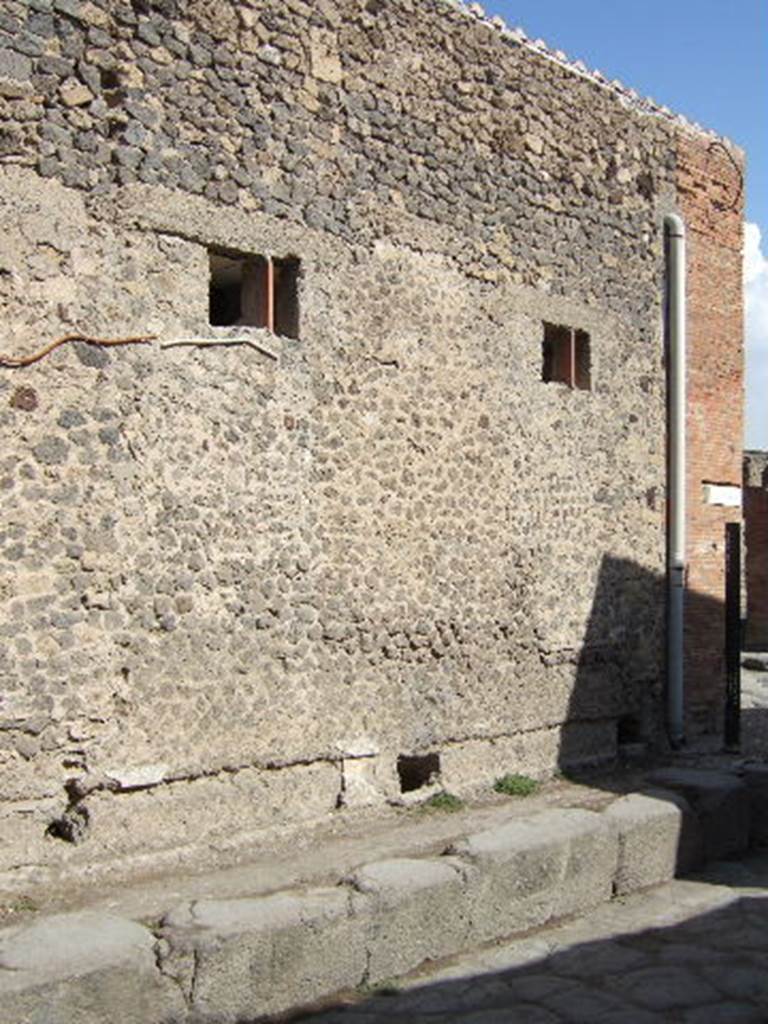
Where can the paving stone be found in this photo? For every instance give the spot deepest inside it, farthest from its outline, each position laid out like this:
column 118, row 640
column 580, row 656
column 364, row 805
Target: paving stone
column 537, row 988
column 436, row 998
column 522, row 1012
column 583, row 1003
column 665, row 988
column 740, row 982
column 598, row 959
column 725, row 1013
column 685, row 953
column 755, row 662
column 628, row 1015
column 685, row 949
column 756, row 779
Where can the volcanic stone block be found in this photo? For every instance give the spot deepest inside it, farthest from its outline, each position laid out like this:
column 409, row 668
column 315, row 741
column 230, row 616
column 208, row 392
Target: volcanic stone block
column 247, row 957
column 533, row 870
column 418, row 911
column 83, row 968
column 658, row 838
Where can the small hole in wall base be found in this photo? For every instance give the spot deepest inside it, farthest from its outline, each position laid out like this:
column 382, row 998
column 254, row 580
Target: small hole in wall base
column 417, row 770
column 629, row 730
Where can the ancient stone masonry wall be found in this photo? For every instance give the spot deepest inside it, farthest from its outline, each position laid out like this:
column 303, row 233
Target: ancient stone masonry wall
column 245, row 572
column 326, row 115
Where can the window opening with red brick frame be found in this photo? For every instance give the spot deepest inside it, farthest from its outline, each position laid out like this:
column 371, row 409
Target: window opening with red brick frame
column 254, row 291
column 566, row 356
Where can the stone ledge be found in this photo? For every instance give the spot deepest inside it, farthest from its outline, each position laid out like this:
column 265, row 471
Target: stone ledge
column 79, row 968
column 658, row 838
column 248, row 957
column 216, row 961
column 535, row 870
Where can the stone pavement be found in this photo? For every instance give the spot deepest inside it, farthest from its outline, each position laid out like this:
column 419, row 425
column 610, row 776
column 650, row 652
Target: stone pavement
column 693, row 951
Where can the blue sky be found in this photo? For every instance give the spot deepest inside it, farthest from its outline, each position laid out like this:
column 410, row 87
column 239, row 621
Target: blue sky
column 707, row 59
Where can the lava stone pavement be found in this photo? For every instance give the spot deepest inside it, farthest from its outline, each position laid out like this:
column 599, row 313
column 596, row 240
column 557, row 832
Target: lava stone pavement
column 693, row 951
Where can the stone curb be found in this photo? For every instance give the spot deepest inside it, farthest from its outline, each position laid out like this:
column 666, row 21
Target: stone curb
column 79, row 968
column 220, row 961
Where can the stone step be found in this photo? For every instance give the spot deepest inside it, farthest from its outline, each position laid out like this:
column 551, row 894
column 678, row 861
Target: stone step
column 212, row 960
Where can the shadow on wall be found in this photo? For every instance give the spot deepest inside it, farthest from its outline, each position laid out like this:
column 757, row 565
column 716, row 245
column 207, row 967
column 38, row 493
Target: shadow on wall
column 619, row 703
column 755, row 496
column 707, row 968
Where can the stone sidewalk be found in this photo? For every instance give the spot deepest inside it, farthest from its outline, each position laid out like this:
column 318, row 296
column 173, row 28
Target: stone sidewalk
column 208, row 953
column 692, row 951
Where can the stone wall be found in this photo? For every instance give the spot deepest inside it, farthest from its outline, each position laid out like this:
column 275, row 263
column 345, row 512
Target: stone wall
column 756, row 547
column 241, row 573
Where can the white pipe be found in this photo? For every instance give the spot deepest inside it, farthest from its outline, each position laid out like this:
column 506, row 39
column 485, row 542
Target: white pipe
column 675, row 320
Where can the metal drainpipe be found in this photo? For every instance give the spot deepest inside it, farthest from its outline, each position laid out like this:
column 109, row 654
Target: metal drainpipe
column 675, row 320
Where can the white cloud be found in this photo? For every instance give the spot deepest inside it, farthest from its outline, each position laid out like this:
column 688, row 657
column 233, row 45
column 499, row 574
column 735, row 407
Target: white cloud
column 755, row 263
column 756, row 307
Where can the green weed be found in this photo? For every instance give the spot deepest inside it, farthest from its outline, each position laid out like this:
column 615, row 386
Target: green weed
column 443, row 802
column 516, row 785
column 381, row 988
column 17, row 905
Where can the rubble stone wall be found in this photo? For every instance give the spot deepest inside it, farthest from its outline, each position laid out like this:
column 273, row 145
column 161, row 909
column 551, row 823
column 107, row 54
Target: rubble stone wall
column 244, row 573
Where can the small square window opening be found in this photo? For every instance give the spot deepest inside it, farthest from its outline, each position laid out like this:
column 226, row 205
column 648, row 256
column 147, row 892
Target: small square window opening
column 566, row 357
column 254, row 291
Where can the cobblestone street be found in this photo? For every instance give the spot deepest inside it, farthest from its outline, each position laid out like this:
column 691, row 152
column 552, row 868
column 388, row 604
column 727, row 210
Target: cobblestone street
column 693, row 951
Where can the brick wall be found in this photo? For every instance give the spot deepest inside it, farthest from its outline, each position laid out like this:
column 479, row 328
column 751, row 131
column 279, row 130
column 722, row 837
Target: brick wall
column 709, row 188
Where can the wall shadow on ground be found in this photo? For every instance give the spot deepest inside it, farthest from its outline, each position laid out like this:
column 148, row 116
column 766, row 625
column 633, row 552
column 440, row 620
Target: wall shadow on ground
column 706, row 969
column 618, row 705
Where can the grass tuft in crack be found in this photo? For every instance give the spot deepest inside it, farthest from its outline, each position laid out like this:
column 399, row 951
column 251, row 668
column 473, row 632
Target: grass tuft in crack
column 515, row 785
column 380, row 988
column 443, row 802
